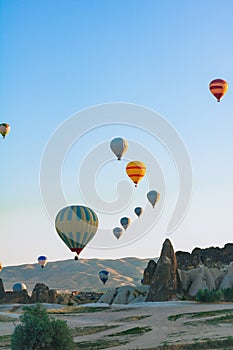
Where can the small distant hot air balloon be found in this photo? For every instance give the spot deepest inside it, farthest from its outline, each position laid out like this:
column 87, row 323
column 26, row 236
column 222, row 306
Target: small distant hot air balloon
column 125, row 222
column 76, row 225
column 0, row 267
column 138, row 211
column 218, row 87
column 119, row 146
column 136, row 170
column 4, row 129
column 103, row 275
column 18, row 287
column 153, row 197
column 42, row 260
column 118, row 232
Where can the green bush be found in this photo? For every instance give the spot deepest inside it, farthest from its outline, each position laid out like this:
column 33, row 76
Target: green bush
column 209, row 296
column 39, row 330
column 228, row 294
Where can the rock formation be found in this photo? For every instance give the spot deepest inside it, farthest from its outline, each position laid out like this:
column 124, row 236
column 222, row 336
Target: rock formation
column 165, row 282
column 201, row 278
column 227, row 281
column 21, row 297
column 125, row 295
column 149, row 272
column 210, row 257
column 2, row 290
column 40, row 293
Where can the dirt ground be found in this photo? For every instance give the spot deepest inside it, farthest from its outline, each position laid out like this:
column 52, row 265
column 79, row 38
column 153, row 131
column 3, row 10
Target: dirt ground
column 153, row 316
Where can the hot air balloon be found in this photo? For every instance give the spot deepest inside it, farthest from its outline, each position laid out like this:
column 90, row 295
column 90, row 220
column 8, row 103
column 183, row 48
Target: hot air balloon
column 118, row 232
column 76, row 225
column 136, row 170
column 153, row 197
column 103, row 275
column 42, row 260
column 125, row 222
column 218, row 88
column 4, row 129
column 0, row 267
column 138, row 211
column 119, row 146
column 18, row 287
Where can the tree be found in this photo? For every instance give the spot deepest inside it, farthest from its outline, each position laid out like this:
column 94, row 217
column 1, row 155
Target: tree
column 39, row 330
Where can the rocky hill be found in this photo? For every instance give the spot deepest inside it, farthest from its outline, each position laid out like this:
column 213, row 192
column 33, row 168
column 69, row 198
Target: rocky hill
column 213, row 257
column 81, row 275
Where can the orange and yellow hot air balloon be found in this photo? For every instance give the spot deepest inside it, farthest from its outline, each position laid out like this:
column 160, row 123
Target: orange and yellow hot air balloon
column 218, row 87
column 136, row 170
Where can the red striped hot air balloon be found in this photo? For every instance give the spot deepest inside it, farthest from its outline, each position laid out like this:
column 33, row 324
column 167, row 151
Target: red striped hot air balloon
column 136, row 170
column 218, row 87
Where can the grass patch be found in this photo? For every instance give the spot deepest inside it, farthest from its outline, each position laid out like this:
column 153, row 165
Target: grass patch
column 133, row 318
column 208, row 344
column 80, row 331
column 5, row 340
column 213, row 321
column 99, row 344
column 200, row 314
column 132, row 331
column 77, row 310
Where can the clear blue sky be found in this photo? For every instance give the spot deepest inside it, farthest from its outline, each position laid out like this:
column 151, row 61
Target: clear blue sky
column 60, row 57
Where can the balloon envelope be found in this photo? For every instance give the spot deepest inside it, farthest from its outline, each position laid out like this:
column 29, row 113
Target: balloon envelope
column 76, row 225
column 118, row 232
column 136, row 170
column 18, row 287
column 103, row 275
column 138, row 211
column 218, row 87
column 119, row 146
column 42, row 260
column 125, row 222
column 4, row 129
column 153, row 197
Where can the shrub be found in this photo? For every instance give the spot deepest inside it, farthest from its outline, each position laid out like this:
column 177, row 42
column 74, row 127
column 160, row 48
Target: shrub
column 209, row 296
column 39, row 330
column 228, row 294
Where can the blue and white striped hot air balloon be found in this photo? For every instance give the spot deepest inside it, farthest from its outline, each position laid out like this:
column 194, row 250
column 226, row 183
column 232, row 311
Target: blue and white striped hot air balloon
column 76, row 225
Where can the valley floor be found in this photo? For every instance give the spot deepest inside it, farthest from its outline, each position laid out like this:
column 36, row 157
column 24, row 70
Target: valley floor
column 167, row 325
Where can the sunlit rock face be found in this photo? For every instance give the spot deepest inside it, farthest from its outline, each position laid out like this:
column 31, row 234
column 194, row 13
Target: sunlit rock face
column 165, row 282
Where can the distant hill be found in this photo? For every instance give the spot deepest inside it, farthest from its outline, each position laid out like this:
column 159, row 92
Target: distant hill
column 81, row 275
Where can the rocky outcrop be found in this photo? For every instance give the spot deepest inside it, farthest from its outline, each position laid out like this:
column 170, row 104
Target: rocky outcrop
column 227, row 281
column 149, row 272
column 2, row 289
column 40, row 293
column 201, row 278
column 125, row 295
column 213, row 257
column 15, row 297
column 109, row 296
column 165, row 282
